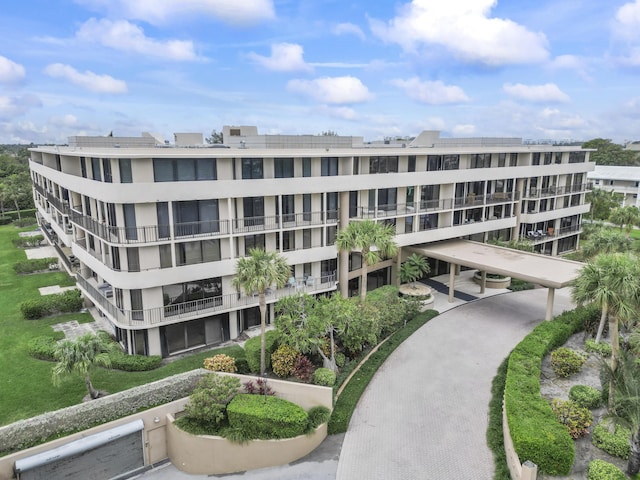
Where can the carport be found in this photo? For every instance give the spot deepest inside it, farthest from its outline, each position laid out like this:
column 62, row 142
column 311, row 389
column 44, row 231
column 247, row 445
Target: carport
column 550, row 272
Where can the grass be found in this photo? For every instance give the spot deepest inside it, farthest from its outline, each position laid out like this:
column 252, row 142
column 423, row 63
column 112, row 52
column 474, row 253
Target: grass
column 495, row 438
column 348, row 399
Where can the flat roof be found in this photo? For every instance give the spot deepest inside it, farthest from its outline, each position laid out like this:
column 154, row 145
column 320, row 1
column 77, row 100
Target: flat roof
column 615, row 172
column 551, row 272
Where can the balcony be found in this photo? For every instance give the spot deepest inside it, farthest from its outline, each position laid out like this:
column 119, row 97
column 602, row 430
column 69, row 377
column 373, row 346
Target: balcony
column 473, row 200
column 534, row 193
column 540, row 236
column 184, row 311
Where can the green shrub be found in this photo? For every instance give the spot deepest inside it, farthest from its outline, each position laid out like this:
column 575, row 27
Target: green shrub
column 324, row 377
column 134, row 363
column 537, row 436
column 220, row 363
column 34, row 265
column 600, row 348
column 341, row 359
column 42, row 347
column 28, row 242
column 65, row 302
column 577, row 419
column 5, row 220
column 601, row 470
column 266, row 417
column 518, row 285
column 615, row 443
column 252, row 349
column 316, row 417
column 25, row 222
column 33, row 309
column 283, row 360
column 566, row 362
column 586, row 396
column 208, row 404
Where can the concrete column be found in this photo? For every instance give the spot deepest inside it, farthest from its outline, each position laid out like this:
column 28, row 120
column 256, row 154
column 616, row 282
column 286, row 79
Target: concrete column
column 343, row 257
column 457, row 270
column 529, row 471
column 233, row 324
column 515, row 231
column 452, row 280
column 483, row 281
column 550, row 298
column 153, row 341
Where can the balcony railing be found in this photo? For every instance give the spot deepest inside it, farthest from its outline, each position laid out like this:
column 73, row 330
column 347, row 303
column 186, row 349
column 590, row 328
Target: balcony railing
column 473, row 200
column 555, row 191
column 196, row 308
column 540, row 236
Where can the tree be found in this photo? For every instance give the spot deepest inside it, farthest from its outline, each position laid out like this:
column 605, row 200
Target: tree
column 602, row 202
column 255, row 273
column 610, row 153
column 626, row 217
column 16, row 189
column 215, row 138
column 606, row 240
column 81, row 356
column 374, row 241
column 329, row 133
column 611, row 281
column 413, row 268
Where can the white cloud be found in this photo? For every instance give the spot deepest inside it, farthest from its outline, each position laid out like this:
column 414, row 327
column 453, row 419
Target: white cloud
column 627, row 20
column 11, row 107
column 549, row 92
column 554, row 119
column 432, row 93
column 574, row 63
column 285, row 57
column 632, row 58
column 332, row 90
column 87, row 80
column 166, row 11
column 348, row 29
column 127, row 37
column 464, row 28
column 67, row 120
column 465, row 129
column 10, row 72
column 345, row 113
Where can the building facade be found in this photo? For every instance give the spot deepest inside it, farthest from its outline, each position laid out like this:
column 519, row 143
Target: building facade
column 622, row 180
column 153, row 231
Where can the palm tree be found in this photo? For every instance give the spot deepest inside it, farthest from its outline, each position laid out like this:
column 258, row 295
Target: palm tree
column 606, row 240
column 255, row 273
column 627, row 217
column 374, row 241
column 611, row 281
column 413, row 268
column 601, row 202
column 81, row 356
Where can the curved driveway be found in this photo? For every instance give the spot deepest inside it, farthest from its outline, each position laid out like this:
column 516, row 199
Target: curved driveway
column 424, row 414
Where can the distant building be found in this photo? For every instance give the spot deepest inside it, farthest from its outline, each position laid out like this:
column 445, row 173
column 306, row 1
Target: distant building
column 622, row 180
column 153, row 231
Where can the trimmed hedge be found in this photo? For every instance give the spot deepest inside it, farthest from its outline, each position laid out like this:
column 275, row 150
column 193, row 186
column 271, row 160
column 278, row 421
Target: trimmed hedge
column 252, row 350
column 42, row 347
column 536, row 433
column 134, row 363
column 28, row 242
column 34, row 265
column 69, row 301
column 601, row 470
column 586, row 396
column 266, row 417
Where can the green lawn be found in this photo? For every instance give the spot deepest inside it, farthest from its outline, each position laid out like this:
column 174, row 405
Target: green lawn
column 26, row 389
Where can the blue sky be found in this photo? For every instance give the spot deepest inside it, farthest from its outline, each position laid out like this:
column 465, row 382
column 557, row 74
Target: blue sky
column 543, row 69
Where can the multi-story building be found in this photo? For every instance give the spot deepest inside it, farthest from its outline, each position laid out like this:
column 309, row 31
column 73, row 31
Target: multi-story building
column 152, row 231
column 622, row 180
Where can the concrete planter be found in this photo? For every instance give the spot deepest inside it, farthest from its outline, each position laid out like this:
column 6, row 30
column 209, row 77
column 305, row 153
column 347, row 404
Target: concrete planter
column 502, row 282
column 212, row 455
column 418, row 290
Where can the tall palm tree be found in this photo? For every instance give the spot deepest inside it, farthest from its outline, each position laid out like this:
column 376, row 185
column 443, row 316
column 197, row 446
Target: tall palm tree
column 81, row 356
column 255, row 273
column 611, row 281
column 626, row 217
column 374, row 241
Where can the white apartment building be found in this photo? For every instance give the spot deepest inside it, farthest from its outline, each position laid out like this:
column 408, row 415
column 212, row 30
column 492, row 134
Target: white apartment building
column 153, row 231
column 622, row 180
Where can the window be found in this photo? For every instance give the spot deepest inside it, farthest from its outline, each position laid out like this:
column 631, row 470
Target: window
column 195, row 290
column 429, row 221
column 306, row 270
column 548, row 158
column 283, row 167
column 288, row 241
column 481, row 160
column 328, row 270
column 411, row 163
column 306, row 207
column 429, row 196
column 196, row 217
column 388, row 199
column 129, row 210
column 536, row 159
column 254, row 241
column 125, row 170
column 162, row 211
column 502, row 159
column 87, row 206
column 165, row 256
column 332, row 205
column 356, row 165
column 329, row 166
column 332, row 231
column 184, row 169
column 288, row 208
column 106, row 168
column 133, row 259
column 83, row 167
column 95, row 169
column 355, row 261
column 253, row 211
column 434, row 163
column 450, row 162
column 513, row 159
column 383, row 165
column 190, row 253
column 137, row 312
column 353, row 204
column 408, row 224
column 252, row 168
column 58, row 163
column 306, row 238
column 306, row 167
column 577, row 157
column 115, row 258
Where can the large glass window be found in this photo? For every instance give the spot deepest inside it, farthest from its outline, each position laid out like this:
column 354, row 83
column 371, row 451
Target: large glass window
column 106, row 167
column 254, row 241
column 253, row 211
column 306, row 167
column 165, row 256
column 252, row 168
column 411, row 165
column 577, row 157
column 184, row 169
column 95, row 169
column 450, row 162
column 434, row 163
column 306, row 207
column 328, row 269
column 83, row 167
column 125, row 170
column 133, row 259
column 283, row 167
column 481, row 160
column 162, row 210
column 288, row 208
column 383, row 165
column 129, row 210
column 387, row 199
column 332, row 205
column 189, row 253
column 196, row 217
column 180, row 293
column 306, row 238
column 329, row 166
column 137, row 308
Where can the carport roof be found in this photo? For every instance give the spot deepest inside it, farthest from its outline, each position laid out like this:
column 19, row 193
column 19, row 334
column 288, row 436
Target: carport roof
column 551, row 272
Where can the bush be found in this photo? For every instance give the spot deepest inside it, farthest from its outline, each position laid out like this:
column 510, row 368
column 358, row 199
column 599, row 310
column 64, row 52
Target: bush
column 303, row 369
column 28, row 242
column 259, row 387
column 566, row 362
column 266, row 417
column 5, row 220
column 252, row 349
column 585, row 396
column 601, row 470
column 316, row 417
column 601, row 348
column 134, row 363
column 324, row 377
column 208, row 404
column 34, row 265
column 577, row 419
column 518, row 285
column 69, row 301
column 341, row 359
column 220, row 363
column 615, row 443
column 25, row 222
column 43, row 347
column 283, row 360
column 537, row 436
